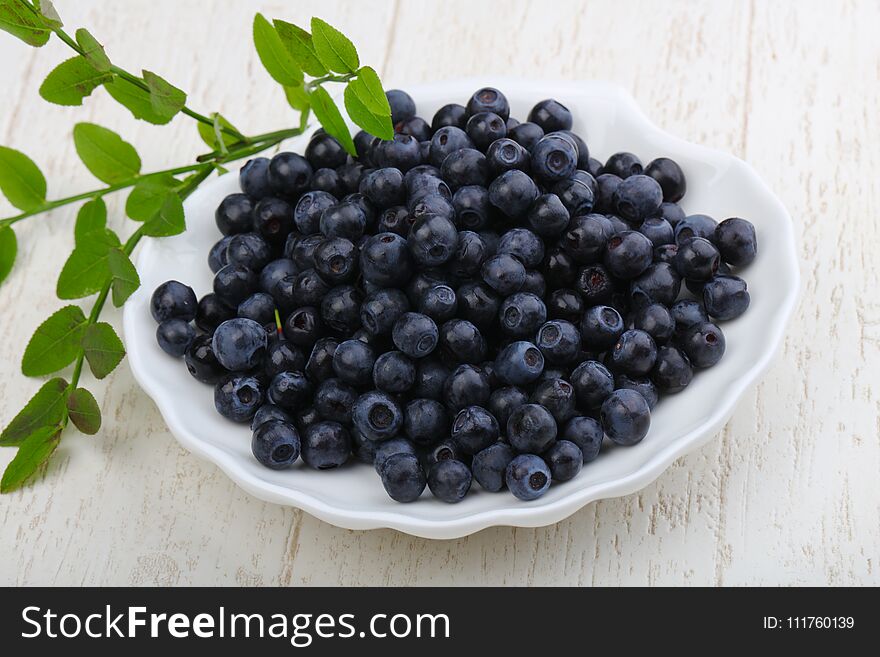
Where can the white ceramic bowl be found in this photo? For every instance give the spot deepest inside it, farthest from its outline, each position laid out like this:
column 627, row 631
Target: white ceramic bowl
column 718, row 184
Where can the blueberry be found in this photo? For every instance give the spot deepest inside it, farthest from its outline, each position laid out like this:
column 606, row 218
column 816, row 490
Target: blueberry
column 403, row 107
column 343, row 220
column 395, row 219
column 594, row 167
column 625, row 417
column 670, row 177
column 586, row 238
column 340, row 309
column 353, row 362
column 308, row 210
column 559, row 341
column 175, row 336
column 239, row 344
column 452, row 114
column 449, row 480
column 327, row 180
column 235, row 283
column 364, row 450
column 462, row 342
column 301, row 249
column 425, row 421
column 489, row 99
column 445, row 141
column 521, row 314
column 565, row 304
column 282, row 356
column 466, row 385
column 276, row 444
column 269, row 413
column 595, row 285
column 432, row 240
column 665, row 253
column 381, row 309
column 601, row 327
column 439, row 303
column 565, row 460
column 259, row 307
column 506, row 154
column 350, row 175
column 478, row 304
column 658, row 230
column 697, row 259
column 585, row 432
column 656, row 320
column 695, row 225
column 634, row 353
column 377, row 416
column 253, row 178
column 519, row 363
column 217, row 254
column 474, row 429
column 623, row 165
column 553, row 158
column 416, row 127
column 644, row 386
column 307, row 288
column 583, row 162
column 431, row 204
column 289, row 174
column 672, row 213
column 383, row 187
column 445, row 450
column 551, row 115
column 431, row 376
column 660, row 283
column 503, row 401
column 726, row 297
column 235, row 214
column 415, row 334
column 303, row 326
column 173, row 300
column 334, row 400
column 628, row 254
column 736, row 241
column 238, row 397
column 504, row 273
column 403, row 477
column 672, row 371
column 490, row 465
column 274, row 272
column 526, row 134
column 557, row 396
column 394, row 372
column 464, row 167
column 290, row 391
column 336, row 260
column 371, row 214
column 211, row 312
column 687, row 313
column 576, row 194
column 535, row 283
column 606, row 186
column 524, row 245
column 513, row 192
column 363, row 145
column 703, row 344
column 319, row 366
column 422, row 282
column 325, row 151
column 528, row 477
column 326, row 445
column 305, row 418
column 485, row 127
column 385, row 260
column 201, row 362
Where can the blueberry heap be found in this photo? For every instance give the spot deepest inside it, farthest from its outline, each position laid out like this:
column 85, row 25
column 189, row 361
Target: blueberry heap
column 476, row 299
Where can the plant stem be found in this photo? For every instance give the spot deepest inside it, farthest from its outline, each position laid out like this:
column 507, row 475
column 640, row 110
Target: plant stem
column 345, row 77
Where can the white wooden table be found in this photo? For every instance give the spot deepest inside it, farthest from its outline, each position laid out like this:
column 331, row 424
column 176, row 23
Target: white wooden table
column 789, row 493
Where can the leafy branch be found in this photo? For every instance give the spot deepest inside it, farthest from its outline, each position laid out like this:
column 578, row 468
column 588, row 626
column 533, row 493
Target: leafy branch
column 100, row 264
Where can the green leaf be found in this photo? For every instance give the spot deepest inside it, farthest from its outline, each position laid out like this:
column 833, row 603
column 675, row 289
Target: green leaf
column 104, row 350
column 369, row 90
column 91, row 218
column 87, row 270
column 46, row 408
column 105, row 154
column 138, row 101
column 274, row 55
column 8, row 250
column 71, row 81
column 33, row 453
column 333, row 48
column 24, row 24
column 84, row 412
column 125, row 276
column 297, row 98
column 208, row 133
column 299, row 44
column 56, row 342
column 169, row 220
column 329, row 116
column 92, row 50
column 148, row 196
column 21, row 181
column 376, row 125
column 166, row 99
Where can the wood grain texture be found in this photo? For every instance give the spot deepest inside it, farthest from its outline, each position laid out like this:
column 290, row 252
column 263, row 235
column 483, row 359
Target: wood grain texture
column 787, row 494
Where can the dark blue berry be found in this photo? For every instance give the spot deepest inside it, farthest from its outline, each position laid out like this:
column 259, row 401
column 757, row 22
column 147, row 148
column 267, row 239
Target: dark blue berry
column 697, row 259
column 474, row 429
column 528, row 477
column 381, row 309
column 553, row 158
column 340, row 309
column 695, row 225
column 519, row 363
column 403, row 107
column 439, row 303
column 504, row 273
column 472, row 207
column 464, row 167
column 415, row 334
column 726, row 297
column 559, row 341
column 212, row 311
column 431, row 376
column 606, row 186
column 736, row 240
column 235, row 214
column 217, row 254
column 445, row 141
column 416, row 127
column 462, row 342
column 548, row 216
column 526, row 134
column 432, row 240
column 289, row 174
column 343, row 220
column 403, row 477
column 425, row 421
column 173, row 300
column 644, row 386
column 531, row 429
column 336, row 260
column 383, row 187
column 557, row 396
column 432, row 204
column 672, row 371
column 326, row 445
column 253, row 178
column 601, row 327
column 274, row 272
column 237, row 397
column 626, row 417
column 394, row 372
column 452, row 114
column 325, row 151
column 634, row 353
column 449, row 480
column 656, row 320
column 303, row 326
column 524, row 245
column 239, row 344
column 259, row 307
column 489, row 99
column 658, row 230
column 670, row 177
column 350, row 175
column 327, row 180
column 308, row 210
column 585, row 432
column 506, row 154
column 565, row 460
column 576, row 195
column 551, row 115
column 276, row 444
column 628, row 254
column 319, row 366
column 269, row 413
column 334, row 400
column 235, row 283
column 703, row 344
column 290, row 391
column 470, row 254
column 353, row 362
column 282, row 356
column 521, row 314
column 485, row 127
column 586, row 238
column 490, row 465
column 623, row 165
column 658, row 283
column 385, row 260
column 565, row 304
column 175, row 336
column 377, row 416
column 503, row 401
column 466, row 385
column 513, row 193
column 201, row 362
